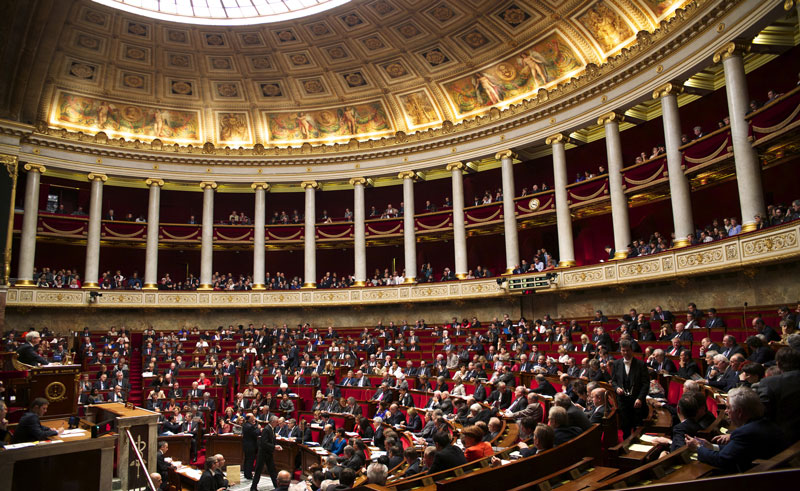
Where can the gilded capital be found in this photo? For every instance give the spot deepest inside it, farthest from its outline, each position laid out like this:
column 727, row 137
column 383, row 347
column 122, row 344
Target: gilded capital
column 669, row 88
column 37, row 167
column 208, row 184
column 358, row 180
column 10, row 162
column 788, row 5
column 96, row 176
column 557, row 138
column 309, row 184
column 409, row 174
column 260, row 185
column 154, row 181
column 505, row 154
column 455, row 165
column 734, row 48
column 611, row 117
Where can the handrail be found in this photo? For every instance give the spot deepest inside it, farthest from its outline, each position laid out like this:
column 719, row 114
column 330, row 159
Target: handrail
column 140, row 459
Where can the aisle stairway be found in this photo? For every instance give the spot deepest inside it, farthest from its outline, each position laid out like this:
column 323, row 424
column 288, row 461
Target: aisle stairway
column 135, row 370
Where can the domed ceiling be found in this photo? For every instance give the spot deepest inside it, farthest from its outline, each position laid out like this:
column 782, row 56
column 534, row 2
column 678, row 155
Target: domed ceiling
column 363, row 70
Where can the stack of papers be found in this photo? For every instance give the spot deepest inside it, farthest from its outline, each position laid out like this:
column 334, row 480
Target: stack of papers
column 647, row 438
column 638, row 447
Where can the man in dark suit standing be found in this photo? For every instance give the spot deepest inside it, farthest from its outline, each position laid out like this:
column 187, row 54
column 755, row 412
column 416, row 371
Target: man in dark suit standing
column 208, row 480
column 250, row 434
column 162, row 466
column 447, row 455
column 266, row 451
column 30, row 429
column 780, row 394
column 27, row 352
column 631, row 381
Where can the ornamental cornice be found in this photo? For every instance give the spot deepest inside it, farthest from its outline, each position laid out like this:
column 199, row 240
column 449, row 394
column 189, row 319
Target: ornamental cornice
column 695, row 19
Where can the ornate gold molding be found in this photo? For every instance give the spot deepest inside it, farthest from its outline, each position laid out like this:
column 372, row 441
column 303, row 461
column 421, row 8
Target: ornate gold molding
column 208, row 184
column 260, row 185
column 555, row 139
column 96, row 176
column 505, row 154
column 734, row 48
column 11, row 162
column 669, row 88
column 455, row 166
column 37, row 167
column 408, row 174
column 309, row 184
column 153, row 181
column 612, row 117
column 358, row 180
column 788, row 5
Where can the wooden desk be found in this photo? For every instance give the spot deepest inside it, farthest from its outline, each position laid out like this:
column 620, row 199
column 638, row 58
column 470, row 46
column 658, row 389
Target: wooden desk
column 83, row 464
column 143, row 425
column 229, row 446
column 180, row 447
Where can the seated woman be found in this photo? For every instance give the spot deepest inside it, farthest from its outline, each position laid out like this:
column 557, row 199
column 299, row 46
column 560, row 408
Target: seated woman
column 339, row 442
column 474, row 446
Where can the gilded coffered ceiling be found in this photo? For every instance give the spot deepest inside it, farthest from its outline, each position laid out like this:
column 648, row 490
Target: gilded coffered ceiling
column 365, row 70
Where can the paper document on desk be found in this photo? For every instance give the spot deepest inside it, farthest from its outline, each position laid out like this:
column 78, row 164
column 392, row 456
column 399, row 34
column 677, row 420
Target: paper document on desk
column 638, row 447
column 76, row 431
column 648, row 438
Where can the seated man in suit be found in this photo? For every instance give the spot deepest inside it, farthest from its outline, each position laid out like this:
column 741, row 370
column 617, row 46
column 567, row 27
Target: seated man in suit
column 754, row 438
column 545, row 388
column 30, row 429
column 395, row 417
column 411, row 457
column 207, row 404
column 598, row 399
column 559, row 421
column 532, row 409
column 500, row 397
column 447, row 455
column 27, row 354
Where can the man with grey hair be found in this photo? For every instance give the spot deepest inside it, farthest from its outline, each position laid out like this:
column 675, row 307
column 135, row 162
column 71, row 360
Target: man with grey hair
column 284, row 481
column 156, row 478
column 377, row 474
column 27, row 352
column 724, row 376
column 754, row 438
column 574, row 413
column 266, row 454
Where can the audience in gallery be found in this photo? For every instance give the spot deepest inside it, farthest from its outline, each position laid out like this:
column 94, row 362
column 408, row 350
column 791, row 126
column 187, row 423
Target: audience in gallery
column 716, row 230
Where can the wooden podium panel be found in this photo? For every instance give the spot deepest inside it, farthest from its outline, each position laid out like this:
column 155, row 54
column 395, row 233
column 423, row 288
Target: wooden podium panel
column 229, row 446
column 143, row 425
column 180, row 447
column 83, row 464
column 56, row 383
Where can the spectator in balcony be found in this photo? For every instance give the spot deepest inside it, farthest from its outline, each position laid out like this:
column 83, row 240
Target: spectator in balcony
column 698, row 132
column 430, row 207
column 772, row 95
column 244, row 219
column 477, row 201
column 110, row 215
column 735, row 228
column 348, row 215
column 373, row 212
column 447, row 203
column 753, row 106
column 579, row 178
column 79, row 212
column 794, row 212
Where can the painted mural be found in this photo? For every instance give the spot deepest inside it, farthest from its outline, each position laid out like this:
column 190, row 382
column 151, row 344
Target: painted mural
column 332, row 124
column 607, row 27
column 233, row 127
column 91, row 114
column 543, row 64
column 662, row 7
column 418, row 109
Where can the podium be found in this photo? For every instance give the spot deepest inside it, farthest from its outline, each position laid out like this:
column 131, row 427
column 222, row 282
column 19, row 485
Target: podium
column 56, row 383
column 143, row 427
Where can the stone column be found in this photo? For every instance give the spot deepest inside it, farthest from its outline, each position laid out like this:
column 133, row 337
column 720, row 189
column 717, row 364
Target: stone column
column 207, row 237
column 748, row 169
column 359, row 231
column 309, row 235
column 151, row 254
column 259, row 235
column 566, row 249
column 506, row 158
column 27, row 242
column 459, row 228
column 678, row 183
column 92, row 273
column 409, row 235
column 619, row 202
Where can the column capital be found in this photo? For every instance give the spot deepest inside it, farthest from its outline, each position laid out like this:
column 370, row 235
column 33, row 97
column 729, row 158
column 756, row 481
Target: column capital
column 505, row 154
column 96, row 176
column 455, row 165
column 208, row 184
column 358, row 180
column 612, row 117
column 309, row 184
column 669, row 88
column 260, row 185
column 734, row 48
column 37, row 167
column 10, row 162
column 154, row 181
column 408, row 174
column 557, row 138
